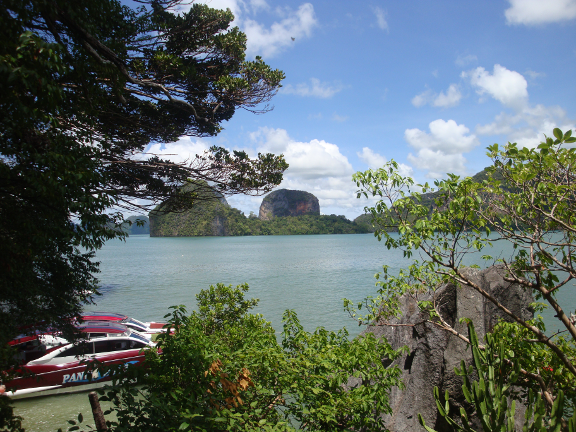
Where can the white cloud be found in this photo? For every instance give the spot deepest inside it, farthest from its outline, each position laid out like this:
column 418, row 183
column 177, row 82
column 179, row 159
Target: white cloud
column 535, row 12
column 447, row 136
column 308, row 160
column 339, row 118
column 264, row 41
column 269, row 42
column 442, row 100
column 526, row 124
column 464, row 60
column 316, row 166
column 183, row 150
column 423, row 98
column 441, row 150
column 437, row 164
column 534, row 75
column 381, row 18
column 450, row 99
column 234, row 5
column 506, row 86
column 527, row 128
column 316, row 88
column 373, row 160
column 503, row 124
column 259, row 5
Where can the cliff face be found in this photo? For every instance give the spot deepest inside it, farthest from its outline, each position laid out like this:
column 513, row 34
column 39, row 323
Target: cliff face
column 205, row 219
column 285, row 202
column 434, row 352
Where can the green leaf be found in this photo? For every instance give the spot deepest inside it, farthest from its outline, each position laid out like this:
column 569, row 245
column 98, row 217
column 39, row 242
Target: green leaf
column 558, row 133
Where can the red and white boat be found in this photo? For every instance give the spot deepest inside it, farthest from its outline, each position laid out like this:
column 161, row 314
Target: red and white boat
column 145, row 328
column 60, row 367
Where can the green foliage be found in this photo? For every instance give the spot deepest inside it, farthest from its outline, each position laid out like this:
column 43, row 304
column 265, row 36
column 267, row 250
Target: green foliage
column 491, row 395
column 310, row 224
column 224, row 369
column 526, row 199
column 539, row 359
column 86, row 87
column 8, row 421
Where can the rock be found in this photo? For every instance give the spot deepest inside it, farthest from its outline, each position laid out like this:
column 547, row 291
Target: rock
column 219, row 226
column 205, row 218
column 434, row 353
column 285, row 202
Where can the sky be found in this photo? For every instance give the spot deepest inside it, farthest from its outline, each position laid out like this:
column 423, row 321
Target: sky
column 429, row 84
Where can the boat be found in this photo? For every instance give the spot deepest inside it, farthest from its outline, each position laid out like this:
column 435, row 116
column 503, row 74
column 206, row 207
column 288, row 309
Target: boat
column 52, row 365
column 149, row 329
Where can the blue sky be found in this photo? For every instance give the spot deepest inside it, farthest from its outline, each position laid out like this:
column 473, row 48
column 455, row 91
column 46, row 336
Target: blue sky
column 429, row 84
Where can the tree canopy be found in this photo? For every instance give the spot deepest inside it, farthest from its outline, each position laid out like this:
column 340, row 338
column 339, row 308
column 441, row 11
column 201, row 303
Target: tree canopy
column 224, row 369
column 86, row 87
column 527, row 200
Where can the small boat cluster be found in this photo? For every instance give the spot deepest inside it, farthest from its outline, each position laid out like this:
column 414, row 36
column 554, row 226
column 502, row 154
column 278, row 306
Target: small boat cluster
column 51, row 364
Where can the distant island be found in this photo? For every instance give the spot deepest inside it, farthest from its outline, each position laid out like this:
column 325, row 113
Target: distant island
column 282, row 212
column 136, row 225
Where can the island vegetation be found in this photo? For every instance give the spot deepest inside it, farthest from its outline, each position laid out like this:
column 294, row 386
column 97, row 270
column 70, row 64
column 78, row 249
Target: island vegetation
column 133, row 225
column 137, row 225
column 219, row 219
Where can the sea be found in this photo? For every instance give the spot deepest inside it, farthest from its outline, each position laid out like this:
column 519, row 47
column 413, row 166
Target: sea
column 310, row 274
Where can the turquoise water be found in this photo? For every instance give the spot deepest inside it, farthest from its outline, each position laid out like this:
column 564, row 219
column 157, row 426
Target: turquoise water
column 310, row 274
column 143, row 276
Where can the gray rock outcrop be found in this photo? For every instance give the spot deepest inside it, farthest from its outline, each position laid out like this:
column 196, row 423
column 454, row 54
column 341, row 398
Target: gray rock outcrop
column 434, row 353
column 286, row 202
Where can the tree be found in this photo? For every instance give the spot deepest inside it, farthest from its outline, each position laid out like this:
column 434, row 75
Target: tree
column 527, row 201
column 224, row 369
column 86, row 88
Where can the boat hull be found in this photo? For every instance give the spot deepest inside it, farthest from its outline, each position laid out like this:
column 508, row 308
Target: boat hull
column 67, row 377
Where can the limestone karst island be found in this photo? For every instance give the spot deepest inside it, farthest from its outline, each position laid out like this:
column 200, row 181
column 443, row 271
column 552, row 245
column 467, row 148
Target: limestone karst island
column 282, row 212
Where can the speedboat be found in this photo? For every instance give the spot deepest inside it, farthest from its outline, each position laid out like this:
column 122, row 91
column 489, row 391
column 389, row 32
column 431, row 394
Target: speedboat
column 146, row 328
column 57, row 369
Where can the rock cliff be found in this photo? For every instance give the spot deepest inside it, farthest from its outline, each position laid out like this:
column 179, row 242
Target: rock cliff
column 285, row 202
column 435, row 353
column 207, row 218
